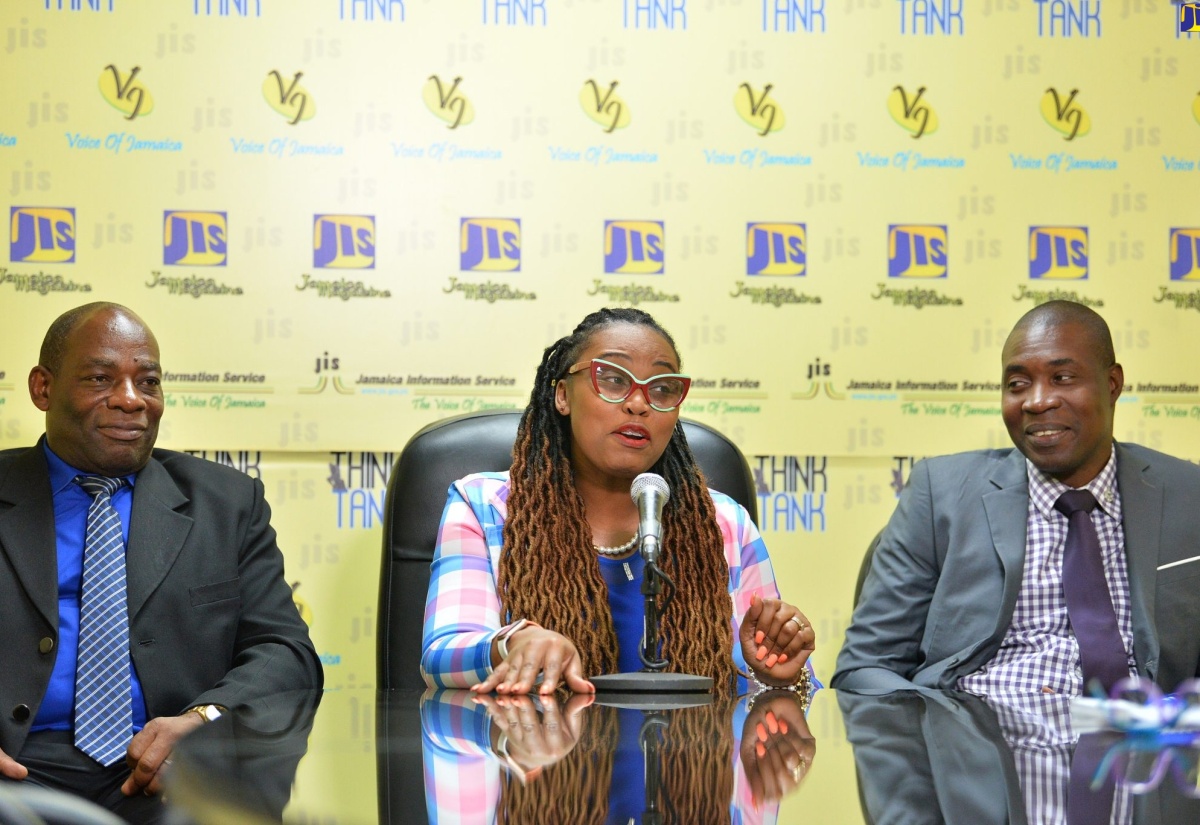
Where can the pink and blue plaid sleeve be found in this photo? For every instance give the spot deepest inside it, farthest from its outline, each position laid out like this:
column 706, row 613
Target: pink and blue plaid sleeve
column 750, row 570
column 462, row 777
column 462, row 610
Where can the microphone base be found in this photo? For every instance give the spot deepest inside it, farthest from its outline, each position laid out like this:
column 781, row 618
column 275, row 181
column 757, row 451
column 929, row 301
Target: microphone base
column 653, row 701
column 651, row 682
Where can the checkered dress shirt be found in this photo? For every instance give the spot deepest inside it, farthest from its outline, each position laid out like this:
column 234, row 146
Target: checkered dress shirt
column 1037, row 728
column 1039, row 652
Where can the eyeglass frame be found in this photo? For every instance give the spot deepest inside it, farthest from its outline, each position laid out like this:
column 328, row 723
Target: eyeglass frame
column 636, row 383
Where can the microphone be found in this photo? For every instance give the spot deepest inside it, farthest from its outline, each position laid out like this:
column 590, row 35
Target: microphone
column 650, row 492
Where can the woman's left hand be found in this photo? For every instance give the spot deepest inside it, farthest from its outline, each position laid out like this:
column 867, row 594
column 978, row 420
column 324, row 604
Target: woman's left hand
column 777, row 640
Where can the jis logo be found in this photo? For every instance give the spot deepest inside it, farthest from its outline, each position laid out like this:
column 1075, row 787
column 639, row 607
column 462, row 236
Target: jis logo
column 1058, row 253
column 42, row 235
column 490, row 245
column 776, row 249
column 194, row 238
column 634, row 247
column 1189, row 18
column 918, row 251
column 1185, row 254
column 344, row 241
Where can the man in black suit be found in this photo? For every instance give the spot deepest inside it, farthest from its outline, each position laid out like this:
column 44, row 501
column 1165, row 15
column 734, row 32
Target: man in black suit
column 210, row 620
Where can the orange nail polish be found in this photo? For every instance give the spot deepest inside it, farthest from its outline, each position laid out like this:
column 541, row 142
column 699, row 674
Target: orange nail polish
column 783, row 657
column 772, row 723
column 761, row 731
column 762, row 651
column 760, row 750
column 771, row 660
column 758, row 637
column 783, row 726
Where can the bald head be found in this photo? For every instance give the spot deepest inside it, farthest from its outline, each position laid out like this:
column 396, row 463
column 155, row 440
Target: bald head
column 55, row 342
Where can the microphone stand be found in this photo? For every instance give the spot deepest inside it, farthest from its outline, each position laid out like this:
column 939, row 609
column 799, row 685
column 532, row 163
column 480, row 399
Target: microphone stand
column 653, row 725
column 652, row 587
column 652, row 678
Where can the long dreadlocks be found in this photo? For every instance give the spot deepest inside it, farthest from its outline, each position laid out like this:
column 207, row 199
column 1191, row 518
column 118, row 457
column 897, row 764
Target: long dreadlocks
column 548, row 570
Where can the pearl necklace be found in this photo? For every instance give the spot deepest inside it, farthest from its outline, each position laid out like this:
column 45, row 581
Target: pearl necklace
column 616, row 551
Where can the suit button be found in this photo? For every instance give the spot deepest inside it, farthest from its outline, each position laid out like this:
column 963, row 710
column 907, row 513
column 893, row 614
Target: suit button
column 46, row 645
column 21, row 713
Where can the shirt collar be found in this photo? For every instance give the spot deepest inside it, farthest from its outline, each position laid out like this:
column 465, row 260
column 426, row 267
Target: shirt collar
column 63, row 474
column 1044, row 491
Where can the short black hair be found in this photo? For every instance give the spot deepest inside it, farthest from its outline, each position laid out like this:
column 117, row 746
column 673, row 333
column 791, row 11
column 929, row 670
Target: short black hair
column 55, row 342
column 1055, row 313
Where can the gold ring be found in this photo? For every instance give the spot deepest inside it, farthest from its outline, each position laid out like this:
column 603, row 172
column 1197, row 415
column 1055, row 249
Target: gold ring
column 799, row 624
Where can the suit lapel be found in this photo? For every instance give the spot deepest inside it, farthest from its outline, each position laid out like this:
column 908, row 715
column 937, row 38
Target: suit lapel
column 1141, row 517
column 27, row 537
column 156, row 532
column 1007, row 509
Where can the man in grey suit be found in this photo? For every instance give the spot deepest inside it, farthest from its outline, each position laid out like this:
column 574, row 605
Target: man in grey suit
column 965, row 588
column 209, row 621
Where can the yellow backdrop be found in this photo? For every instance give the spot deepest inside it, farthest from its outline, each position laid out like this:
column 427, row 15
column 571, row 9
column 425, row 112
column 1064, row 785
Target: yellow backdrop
column 346, row 219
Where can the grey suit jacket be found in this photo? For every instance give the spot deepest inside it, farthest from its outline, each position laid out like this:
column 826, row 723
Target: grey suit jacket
column 944, row 579
column 211, row 619
column 931, row 757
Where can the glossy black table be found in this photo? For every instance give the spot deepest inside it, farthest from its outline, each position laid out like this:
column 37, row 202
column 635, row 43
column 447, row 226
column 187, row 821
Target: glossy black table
column 910, row 757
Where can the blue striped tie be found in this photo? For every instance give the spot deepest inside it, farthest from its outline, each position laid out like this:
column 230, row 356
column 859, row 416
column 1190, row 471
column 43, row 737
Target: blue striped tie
column 103, row 705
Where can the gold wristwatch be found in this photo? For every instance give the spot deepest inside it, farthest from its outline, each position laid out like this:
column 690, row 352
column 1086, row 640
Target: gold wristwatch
column 209, row 713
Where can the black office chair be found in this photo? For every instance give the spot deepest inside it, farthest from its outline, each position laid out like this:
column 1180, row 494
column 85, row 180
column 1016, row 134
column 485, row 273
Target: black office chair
column 25, row 804
column 450, row 449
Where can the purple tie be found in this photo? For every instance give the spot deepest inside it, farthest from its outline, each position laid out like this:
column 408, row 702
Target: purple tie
column 1089, row 606
column 1087, row 805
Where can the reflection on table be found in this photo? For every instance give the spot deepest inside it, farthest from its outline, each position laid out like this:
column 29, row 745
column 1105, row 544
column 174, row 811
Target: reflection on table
column 586, row 760
column 241, row 767
column 930, row 756
column 448, row 756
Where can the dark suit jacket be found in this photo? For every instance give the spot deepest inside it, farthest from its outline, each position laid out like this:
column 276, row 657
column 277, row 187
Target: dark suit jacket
column 944, row 580
column 211, row 619
column 931, row 757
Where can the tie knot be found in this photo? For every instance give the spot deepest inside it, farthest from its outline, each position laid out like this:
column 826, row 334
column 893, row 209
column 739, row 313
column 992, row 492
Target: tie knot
column 100, row 485
column 1073, row 501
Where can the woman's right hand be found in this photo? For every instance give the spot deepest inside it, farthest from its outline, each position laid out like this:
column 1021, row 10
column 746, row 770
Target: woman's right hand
column 532, row 740
column 534, row 651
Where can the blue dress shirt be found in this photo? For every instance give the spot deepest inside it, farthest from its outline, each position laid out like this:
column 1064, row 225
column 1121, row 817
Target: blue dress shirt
column 628, row 607
column 71, row 502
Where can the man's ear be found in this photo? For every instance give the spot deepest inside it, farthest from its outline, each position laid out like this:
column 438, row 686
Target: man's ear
column 1116, row 382
column 40, row 380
